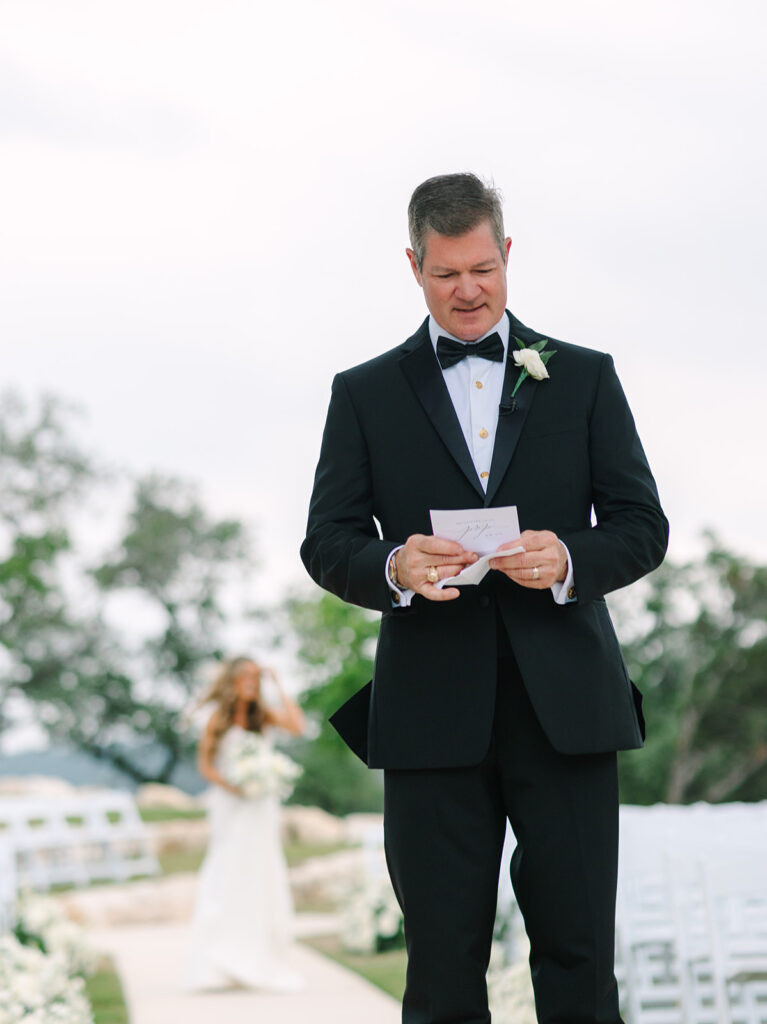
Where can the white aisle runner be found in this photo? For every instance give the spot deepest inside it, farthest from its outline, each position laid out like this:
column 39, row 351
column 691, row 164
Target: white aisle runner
column 150, row 958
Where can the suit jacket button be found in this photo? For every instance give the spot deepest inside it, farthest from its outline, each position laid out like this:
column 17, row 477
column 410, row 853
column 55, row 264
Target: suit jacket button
column 484, row 601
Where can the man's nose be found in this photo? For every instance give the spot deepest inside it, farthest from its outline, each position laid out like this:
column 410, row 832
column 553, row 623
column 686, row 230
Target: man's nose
column 467, row 288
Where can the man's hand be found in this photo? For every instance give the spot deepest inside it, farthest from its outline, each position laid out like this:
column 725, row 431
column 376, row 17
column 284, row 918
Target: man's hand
column 542, row 564
column 421, row 553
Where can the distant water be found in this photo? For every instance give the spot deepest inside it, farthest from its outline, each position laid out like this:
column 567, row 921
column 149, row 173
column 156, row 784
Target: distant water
column 82, row 770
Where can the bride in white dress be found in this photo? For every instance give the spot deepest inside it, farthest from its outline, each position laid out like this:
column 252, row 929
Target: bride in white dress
column 242, row 923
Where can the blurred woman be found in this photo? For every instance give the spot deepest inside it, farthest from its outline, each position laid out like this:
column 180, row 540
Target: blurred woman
column 242, row 923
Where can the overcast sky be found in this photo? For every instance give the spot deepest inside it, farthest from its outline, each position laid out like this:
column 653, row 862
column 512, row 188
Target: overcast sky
column 203, row 218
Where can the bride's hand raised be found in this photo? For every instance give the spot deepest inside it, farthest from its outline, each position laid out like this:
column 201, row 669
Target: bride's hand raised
column 270, row 673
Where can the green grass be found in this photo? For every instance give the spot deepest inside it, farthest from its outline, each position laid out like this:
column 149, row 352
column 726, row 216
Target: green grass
column 106, row 995
column 145, row 813
column 169, row 814
column 297, row 853
column 384, row 970
column 174, row 861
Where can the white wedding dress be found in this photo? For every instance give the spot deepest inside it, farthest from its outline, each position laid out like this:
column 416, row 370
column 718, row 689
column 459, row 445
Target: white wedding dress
column 243, row 919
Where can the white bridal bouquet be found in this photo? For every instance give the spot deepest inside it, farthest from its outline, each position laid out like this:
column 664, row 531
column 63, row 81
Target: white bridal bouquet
column 257, row 769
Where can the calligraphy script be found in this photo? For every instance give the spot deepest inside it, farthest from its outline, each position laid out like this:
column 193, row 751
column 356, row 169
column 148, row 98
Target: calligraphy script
column 477, row 529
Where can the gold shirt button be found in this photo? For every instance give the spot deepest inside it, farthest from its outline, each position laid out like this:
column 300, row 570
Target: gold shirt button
column 483, row 433
column 478, row 384
column 484, row 474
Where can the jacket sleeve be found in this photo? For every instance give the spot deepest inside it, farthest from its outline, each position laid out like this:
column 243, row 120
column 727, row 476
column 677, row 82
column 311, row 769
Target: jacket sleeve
column 631, row 532
column 342, row 551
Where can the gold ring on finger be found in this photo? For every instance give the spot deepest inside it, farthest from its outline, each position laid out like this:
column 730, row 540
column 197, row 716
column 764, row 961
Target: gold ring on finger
column 432, row 574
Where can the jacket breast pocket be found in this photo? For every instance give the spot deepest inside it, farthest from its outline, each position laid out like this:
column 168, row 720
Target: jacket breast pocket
column 553, row 463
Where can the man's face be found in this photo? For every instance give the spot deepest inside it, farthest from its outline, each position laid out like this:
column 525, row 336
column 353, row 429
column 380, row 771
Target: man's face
column 464, row 280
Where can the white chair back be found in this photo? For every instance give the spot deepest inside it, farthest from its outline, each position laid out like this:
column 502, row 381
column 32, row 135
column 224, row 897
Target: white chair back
column 75, row 840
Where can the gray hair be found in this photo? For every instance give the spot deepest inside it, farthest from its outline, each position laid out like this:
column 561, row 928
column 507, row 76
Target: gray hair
column 451, row 205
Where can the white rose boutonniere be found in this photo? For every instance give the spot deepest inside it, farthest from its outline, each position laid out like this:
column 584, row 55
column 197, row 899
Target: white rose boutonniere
column 532, row 360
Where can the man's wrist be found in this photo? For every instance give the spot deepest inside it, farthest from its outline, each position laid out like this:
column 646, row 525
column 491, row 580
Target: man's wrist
column 401, row 595
column 565, row 564
column 392, row 570
column 563, row 591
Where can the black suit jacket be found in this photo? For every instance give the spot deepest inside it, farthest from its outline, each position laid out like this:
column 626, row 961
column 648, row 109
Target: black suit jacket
column 392, row 450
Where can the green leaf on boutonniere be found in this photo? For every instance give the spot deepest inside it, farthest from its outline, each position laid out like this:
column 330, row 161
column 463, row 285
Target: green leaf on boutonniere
column 523, row 376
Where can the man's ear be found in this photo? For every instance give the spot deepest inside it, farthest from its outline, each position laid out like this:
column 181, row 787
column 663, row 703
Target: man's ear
column 507, row 246
column 414, row 266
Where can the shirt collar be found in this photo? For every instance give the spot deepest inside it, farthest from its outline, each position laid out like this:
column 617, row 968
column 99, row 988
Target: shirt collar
column 502, row 327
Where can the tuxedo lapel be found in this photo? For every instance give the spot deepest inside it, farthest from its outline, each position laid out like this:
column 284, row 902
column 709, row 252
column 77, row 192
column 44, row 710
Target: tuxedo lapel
column 510, row 423
column 420, row 366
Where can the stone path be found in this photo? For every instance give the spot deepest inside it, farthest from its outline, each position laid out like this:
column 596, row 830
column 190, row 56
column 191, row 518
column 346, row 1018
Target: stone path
column 149, row 958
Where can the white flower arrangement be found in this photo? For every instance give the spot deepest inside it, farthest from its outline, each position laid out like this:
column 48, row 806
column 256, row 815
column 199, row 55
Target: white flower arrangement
column 510, row 994
column 254, row 767
column 371, row 921
column 509, row 984
column 36, row 988
column 43, row 922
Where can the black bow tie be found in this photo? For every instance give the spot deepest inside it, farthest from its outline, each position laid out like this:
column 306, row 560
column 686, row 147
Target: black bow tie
column 450, row 352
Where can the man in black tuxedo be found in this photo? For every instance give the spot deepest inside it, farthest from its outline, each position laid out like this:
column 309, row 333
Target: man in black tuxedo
column 508, row 698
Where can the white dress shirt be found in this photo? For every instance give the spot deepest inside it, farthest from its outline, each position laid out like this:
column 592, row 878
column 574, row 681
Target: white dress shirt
column 475, row 385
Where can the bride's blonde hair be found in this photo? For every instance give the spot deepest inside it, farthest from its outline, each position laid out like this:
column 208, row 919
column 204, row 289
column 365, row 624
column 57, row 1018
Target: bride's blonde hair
column 223, row 693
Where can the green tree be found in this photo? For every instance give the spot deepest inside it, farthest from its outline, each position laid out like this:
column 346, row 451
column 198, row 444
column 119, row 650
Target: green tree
column 43, row 473
column 335, row 646
column 175, row 561
column 695, row 639
column 108, row 657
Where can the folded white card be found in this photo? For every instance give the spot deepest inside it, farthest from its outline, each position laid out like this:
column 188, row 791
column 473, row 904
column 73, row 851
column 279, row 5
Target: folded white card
column 476, row 529
column 476, row 572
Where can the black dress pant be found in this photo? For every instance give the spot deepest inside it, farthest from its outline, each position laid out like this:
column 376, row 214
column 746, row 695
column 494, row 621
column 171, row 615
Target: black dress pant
column 444, row 832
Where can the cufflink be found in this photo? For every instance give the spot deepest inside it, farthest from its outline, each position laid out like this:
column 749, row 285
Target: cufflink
column 571, row 595
column 395, row 597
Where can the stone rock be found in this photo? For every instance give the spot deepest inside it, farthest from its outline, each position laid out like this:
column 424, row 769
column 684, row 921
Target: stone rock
column 311, row 825
column 326, row 881
column 141, row 902
column 319, row 883
column 364, row 829
column 177, row 834
column 155, row 794
column 45, row 786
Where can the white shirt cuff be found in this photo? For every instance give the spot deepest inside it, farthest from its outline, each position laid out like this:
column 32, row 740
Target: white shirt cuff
column 564, row 592
column 400, row 598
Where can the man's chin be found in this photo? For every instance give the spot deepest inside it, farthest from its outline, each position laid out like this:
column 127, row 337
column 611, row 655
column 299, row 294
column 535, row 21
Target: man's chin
column 470, row 326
